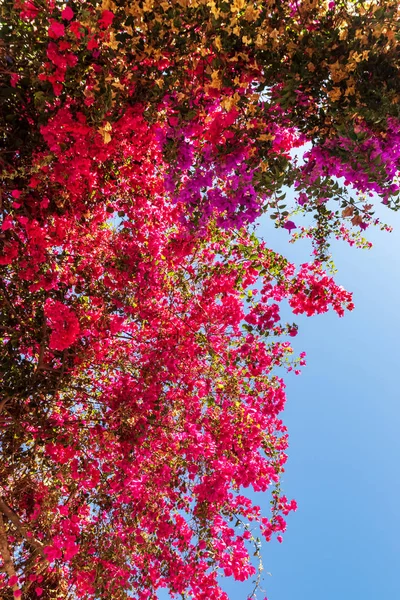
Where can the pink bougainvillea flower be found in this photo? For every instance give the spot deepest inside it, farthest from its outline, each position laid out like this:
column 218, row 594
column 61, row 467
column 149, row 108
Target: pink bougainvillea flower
column 56, row 30
column 67, row 13
column 7, row 223
column 29, row 10
column 92, row 44
column 14, row 78
column 106, row 19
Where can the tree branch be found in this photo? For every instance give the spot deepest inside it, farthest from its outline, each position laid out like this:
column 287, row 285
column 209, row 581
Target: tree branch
column 6, row 555
column 23, row 530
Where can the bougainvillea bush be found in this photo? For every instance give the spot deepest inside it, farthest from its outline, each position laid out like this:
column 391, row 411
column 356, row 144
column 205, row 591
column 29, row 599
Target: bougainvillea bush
column 142, row 348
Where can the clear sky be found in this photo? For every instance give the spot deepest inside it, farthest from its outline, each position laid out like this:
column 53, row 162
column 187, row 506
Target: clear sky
column 343, row 416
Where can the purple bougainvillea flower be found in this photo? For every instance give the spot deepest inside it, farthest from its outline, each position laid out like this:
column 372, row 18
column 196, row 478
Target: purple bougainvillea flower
column 289, row 225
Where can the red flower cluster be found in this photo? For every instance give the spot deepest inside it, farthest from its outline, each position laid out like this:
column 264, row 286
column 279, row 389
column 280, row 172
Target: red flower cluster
column 63, row 323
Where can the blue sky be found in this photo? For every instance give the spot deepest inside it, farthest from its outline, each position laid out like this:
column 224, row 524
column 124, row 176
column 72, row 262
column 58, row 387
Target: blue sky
column 343, row 416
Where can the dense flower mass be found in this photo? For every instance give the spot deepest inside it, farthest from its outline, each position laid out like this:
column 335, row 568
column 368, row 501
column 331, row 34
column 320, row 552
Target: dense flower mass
column 142, row 344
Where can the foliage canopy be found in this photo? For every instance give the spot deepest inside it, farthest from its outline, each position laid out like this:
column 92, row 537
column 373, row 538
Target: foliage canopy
column 142, row 344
